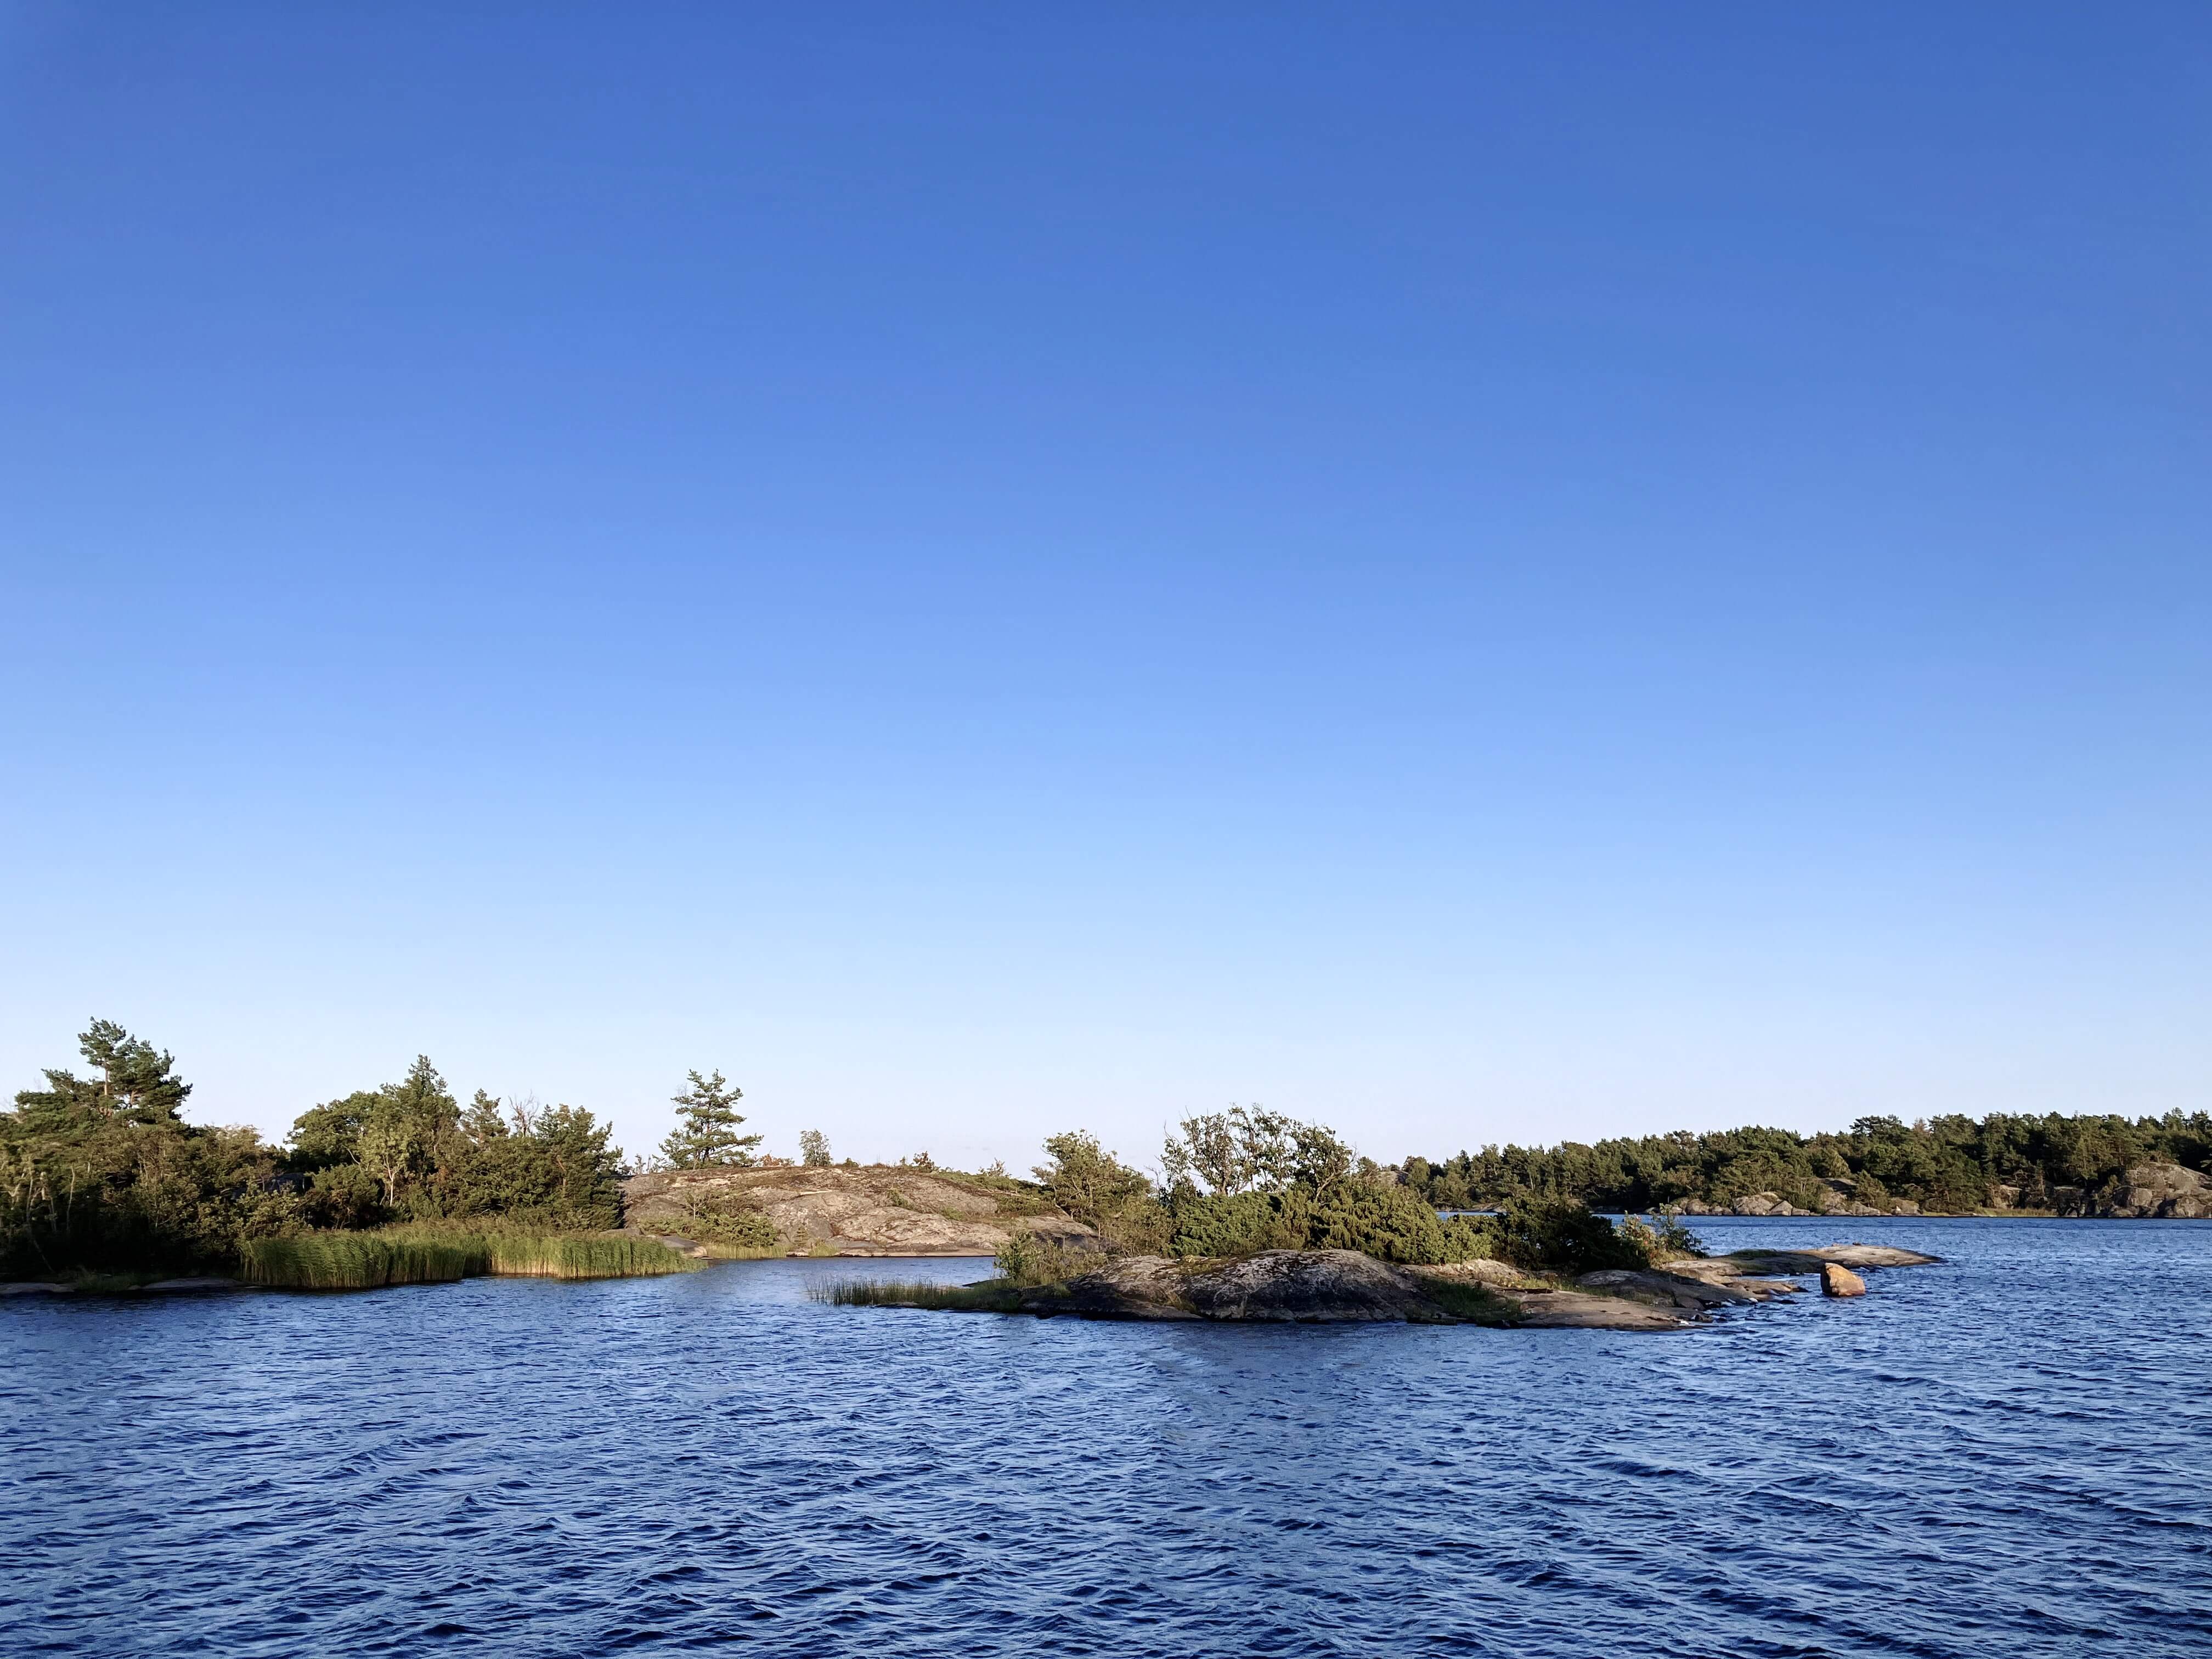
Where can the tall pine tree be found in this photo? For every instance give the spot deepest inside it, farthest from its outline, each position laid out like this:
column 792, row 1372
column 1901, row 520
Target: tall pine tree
column 705, row 1132
column 136, row 1083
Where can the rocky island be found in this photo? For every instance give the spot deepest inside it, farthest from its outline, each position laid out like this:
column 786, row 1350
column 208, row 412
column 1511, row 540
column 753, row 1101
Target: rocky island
column 1336, row 1285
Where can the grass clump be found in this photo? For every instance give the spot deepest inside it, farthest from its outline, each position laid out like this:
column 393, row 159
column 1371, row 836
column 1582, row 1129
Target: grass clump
column 357, row 1262
column 992, row 1295
column 1027, row 1259
column 585, row 1257
column 439, row 1255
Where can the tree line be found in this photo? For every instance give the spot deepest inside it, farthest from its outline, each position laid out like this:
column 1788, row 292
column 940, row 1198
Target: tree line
column 1953, row 1164
column 100, row 1171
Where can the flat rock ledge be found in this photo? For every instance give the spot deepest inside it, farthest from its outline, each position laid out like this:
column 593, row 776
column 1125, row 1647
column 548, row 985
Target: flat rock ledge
column 1341, row 1287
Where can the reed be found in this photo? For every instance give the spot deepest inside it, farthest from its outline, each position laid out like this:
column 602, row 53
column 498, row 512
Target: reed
column 357, row 1262
column 558, row 1256
column 992, row 1295
column 433, row 1255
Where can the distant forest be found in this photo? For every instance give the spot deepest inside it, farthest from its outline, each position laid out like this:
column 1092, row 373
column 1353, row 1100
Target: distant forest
column 1951, row 1164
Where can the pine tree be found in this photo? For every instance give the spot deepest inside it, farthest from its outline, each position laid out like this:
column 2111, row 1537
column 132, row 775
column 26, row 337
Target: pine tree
column 707, row 1133
column 135, row 1084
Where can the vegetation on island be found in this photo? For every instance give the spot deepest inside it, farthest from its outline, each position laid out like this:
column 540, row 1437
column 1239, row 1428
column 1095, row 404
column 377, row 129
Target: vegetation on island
column 101, row 1174
column 1951, row 1164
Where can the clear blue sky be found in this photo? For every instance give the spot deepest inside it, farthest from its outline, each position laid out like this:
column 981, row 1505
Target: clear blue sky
column 1472, row 571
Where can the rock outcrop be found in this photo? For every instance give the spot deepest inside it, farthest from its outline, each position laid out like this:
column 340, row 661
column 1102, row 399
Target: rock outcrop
column 2146, row 1192
column 1837, row 1280
column 1332, row 1286
column 1834, row 1198
column 879, row 1210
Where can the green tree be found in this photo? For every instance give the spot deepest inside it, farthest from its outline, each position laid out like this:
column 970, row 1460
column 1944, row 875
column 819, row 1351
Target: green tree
column 136, row 1084
column 402, row 1135
column 101, row 1172
column 814, row 1149
column 1102, row 1193
column 706, row 1135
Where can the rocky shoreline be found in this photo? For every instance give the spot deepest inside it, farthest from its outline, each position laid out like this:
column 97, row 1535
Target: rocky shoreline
column 2151, row 1191
column 1335, row 1286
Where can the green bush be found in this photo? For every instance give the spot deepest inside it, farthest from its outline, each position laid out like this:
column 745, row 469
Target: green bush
column 1561, row 1236
column 1391, row 1224
column 730, row 1221
column 1660, row 1241
column 1027, row 1259
column 1237, row 1224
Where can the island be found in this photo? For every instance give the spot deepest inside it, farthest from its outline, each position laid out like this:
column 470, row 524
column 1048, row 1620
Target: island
column 1338, row 1285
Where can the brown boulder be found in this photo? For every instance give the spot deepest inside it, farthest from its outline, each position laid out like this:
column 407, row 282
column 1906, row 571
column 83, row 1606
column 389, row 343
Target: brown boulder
column 1840, row 1281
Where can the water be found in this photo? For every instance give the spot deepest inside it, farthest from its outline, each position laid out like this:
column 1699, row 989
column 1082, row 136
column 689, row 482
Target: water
column 2008, row 1454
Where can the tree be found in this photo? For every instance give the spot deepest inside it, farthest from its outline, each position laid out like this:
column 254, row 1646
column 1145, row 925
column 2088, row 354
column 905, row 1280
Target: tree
column 328, row 1135
column 1101, row 1192
column 814, row 1149
column 407, row 1128
column 136, row 1084
column 485, row 1121
column 706, row 1135
column 1251, row 1149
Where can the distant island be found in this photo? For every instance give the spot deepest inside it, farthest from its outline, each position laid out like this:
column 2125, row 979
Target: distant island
column 104, row 1185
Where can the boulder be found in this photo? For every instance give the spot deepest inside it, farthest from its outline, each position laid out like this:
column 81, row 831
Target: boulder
column 2157, row 1190
column 1838, row 1280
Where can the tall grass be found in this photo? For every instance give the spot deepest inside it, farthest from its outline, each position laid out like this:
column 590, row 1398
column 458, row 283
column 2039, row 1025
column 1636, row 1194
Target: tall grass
column 357, row 1262
column 573, row 1257
column 417, row 1255
column 992, row 1295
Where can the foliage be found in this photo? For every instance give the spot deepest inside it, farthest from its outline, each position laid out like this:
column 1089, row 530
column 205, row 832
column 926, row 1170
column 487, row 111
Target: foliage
column 136, row 1084
column 1659, row 1240
column 706, row 1137
column 571, row 1256
column 715, row 1218
column 1248, row 1179
column 992, row 1295
column 1095, row 1188
column 1393, row 1224
column 814, row 1149
column 1948, row 1163
column 1237, row 1224
column 357, row 1262
column 101, row 1173
column 1027, row 1259
column 1250, row 1149
column 409, row 1151
column 1560, row 1235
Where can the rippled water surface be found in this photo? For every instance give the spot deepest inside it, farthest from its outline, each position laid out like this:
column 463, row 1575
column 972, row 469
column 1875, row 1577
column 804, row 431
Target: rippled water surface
column 2008, row 1454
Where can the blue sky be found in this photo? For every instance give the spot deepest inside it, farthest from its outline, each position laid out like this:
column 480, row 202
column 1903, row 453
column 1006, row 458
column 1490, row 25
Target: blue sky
column 1471, row 572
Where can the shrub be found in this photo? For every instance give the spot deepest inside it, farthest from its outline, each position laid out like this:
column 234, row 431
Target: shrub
column 1661, row 1240
column 1027, row 1259
column 1237, row 1224
column 1562, row 1235
column 732, row 1222
column 1392, row 1225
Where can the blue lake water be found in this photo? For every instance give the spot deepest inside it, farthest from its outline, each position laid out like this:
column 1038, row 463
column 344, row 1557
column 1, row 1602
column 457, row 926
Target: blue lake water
column 2008, row 1454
